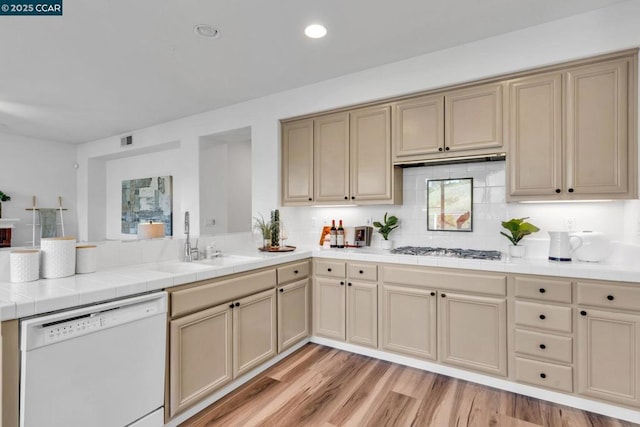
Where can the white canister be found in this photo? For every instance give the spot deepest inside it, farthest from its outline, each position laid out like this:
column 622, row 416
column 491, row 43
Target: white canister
column 86, row 261
column 25, row 265
column 58, row 257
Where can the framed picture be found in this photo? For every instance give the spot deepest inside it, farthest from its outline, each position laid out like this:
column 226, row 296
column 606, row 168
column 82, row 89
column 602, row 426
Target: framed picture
column 450, row 204
column 145, row 200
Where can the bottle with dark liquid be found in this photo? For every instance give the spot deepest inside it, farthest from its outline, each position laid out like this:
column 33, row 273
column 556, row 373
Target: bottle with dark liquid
column 333, row 234
column 340, row 236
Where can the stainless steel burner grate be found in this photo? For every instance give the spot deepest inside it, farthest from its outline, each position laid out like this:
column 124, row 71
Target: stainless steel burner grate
column 448, row 252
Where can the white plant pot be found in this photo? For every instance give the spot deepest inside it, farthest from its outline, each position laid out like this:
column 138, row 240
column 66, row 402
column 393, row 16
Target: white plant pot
column 517, row 251
column 386, row 244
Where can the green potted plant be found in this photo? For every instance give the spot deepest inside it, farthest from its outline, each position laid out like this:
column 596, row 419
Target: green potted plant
column 3, row 198
column 389, row 224
column 265, row 228
column 518, row 229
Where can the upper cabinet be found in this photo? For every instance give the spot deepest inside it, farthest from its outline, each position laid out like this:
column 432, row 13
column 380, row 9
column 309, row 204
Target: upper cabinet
column 466, row 121
column 572, row 133
column 345, row 158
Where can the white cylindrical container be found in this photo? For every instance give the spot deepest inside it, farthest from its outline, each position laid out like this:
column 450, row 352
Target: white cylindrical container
column 86, row 260
column 25, row 265
column 58, row 257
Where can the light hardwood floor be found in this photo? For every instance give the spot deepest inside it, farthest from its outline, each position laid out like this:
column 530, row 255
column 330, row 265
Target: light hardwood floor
column 321, row 386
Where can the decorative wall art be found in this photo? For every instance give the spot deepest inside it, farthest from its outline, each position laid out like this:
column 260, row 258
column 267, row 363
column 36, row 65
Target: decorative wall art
column 450, row 204
column 145, row 200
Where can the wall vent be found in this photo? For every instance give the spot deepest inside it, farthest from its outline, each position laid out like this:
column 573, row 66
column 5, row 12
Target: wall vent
column 126, row 140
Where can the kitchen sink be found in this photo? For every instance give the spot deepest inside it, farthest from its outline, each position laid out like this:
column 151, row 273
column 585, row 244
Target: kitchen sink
column 176, row 267
column 225, row 260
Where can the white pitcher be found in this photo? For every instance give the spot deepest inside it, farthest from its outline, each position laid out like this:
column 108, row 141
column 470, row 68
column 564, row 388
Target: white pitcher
column 561, row 247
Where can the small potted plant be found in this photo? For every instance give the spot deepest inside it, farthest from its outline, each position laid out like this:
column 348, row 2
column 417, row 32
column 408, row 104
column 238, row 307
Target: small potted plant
column 518, row 228
column 265, row 228
column 3, row 198
column 390, row 223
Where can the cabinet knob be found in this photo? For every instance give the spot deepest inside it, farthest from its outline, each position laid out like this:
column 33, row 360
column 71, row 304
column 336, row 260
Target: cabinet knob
column 610, row 297
column 542, row 290
column 543, row 375
column 440, row 149
column 542, row 346
column 558, row 190
column 295, row 271
column 281, row 290
column 346, row 197
column 237, row 304
column 310, row 199
column 542, row 317
column 583, row 313
column 353, row 197
column 349, row 284
column 231, row 305
column 433, row 294
column 329, row 270
column 446, row 148
column 570, row 190
column 361, row 272
column 341, row 283
column 443, row 295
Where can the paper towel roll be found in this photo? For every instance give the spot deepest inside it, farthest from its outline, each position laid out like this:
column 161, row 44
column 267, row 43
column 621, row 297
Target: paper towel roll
column 25, row 265
column 150, row 230
column 58, row 257
column 86, row 259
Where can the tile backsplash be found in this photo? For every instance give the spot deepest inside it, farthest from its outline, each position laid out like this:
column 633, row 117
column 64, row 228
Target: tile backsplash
column 618, row 219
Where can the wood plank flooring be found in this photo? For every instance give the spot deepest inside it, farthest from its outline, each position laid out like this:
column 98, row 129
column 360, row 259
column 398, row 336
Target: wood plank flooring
column 322, row 386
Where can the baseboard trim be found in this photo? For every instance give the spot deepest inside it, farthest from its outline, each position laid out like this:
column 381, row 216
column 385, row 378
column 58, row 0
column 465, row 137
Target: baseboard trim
column 550, row 396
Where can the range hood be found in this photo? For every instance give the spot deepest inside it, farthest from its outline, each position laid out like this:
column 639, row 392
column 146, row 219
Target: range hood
column 454, row 160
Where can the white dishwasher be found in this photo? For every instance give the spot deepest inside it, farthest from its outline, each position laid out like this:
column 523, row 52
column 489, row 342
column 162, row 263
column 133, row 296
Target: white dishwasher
column 99, row 366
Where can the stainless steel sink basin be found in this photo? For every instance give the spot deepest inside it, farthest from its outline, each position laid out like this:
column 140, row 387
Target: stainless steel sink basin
column 225, row 260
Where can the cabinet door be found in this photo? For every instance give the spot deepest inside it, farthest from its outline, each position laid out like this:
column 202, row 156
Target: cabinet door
column 254, row 331
column 418, row 127
column 329, row 308
column 409, row 321
column 293, row 314
column 331, row 137
column 297, row 162
column 200, row 352
column 472, row 332
column 535, row 135
column 473, row 118
column 597, row 129
column 362, row 313
column 609, row 356
column 370, row 142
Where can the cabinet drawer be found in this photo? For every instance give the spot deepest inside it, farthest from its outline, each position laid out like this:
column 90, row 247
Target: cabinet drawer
column 436, row 279
column 542, row 316
column 545, row 374
column 543, row 289
column 209, row 294
column 292, row 272
column 545, row 346
column 363, row 272
column 609, row 296
column 330, row 268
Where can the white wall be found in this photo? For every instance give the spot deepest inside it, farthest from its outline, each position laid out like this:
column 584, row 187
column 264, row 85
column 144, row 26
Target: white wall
column 45, row 169
column 605, row 30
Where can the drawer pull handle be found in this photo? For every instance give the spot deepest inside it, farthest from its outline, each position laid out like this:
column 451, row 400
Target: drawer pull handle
column 433, row 294
column 281, row 290
column 295, row 271
column 542, row 290
column 557, row 190
column 610, row 297
column 361, row 272
column 349, row 284
column 231, row 305
column 329, row 270
column 341, row 283
column 570, row 190
column 583, row 313
column 543, row 375
column 443, row 295
column 542, row 317
column 542, row 346
column 237, row 304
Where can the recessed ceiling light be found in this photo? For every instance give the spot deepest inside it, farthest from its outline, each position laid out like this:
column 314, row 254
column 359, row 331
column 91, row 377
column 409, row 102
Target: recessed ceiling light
column 207, row 31
column 315, row 31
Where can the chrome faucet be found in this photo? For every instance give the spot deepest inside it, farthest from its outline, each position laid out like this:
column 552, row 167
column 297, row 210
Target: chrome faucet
column 190, row 253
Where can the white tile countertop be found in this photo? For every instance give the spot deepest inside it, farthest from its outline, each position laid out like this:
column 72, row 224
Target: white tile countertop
column 26, row 299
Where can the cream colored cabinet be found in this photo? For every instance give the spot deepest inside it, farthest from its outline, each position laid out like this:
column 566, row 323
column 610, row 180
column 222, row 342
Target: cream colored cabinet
column 254, row 331
column 200, row 356
column 466, row 121
column 609, row 355
column 572, row 133
column 331, row 158
column 346, row 309
column 473, row 332
column 297, row 162
column 293, row 313
column 409, row 321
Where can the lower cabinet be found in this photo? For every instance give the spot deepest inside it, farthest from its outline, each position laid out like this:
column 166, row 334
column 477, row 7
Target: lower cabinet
column 473, row 332
column 362, row 313
column 211, row 347
column 293, row 314
column 609, row 355
column 409, row 321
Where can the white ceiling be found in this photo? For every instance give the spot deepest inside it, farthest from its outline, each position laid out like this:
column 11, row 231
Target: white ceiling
column 107, row 67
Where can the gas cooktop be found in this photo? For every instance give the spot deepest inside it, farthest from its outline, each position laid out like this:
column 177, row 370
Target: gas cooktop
column 448, row 252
